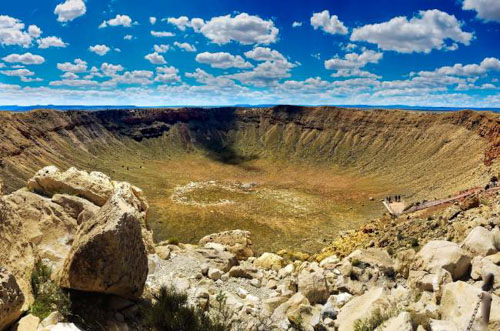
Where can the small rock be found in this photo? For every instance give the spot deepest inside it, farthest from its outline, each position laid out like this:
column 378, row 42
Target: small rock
column 269, row 261
column 214, row 274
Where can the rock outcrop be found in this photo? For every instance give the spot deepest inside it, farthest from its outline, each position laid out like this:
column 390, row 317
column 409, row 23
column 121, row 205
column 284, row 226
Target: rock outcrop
column 108, row 253
column 16, row 251
column 95, row 187
column 11, row 299
column 237, row 242
column 480, row 241
column 443, row 254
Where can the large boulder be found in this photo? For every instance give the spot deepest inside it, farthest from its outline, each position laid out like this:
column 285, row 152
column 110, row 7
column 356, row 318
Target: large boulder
column 480, row 241
column 374, row 257
column 362, row 307
column 108, row 254
column 312, row 284
column 402, row 322
column 431, row 282
column 16, row 251
column 489, row 264
column 237, row 242
column 290, row 308
column 269, row 261
column 47, row 225
column 95, row 186
column 438, row 254
column 458, row 303
column 11, row 299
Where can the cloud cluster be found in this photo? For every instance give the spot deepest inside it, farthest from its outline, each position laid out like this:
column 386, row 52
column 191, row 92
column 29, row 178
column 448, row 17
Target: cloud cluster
column 488, row 10
column 243, row 28
column 100, row 50
column 155, row 58
column 185, row 46
column 77, row 66
column 12, row 32
column 51, row 41
column 69, row 10
column 26, row 58
column 118, row 20
column 222, row 60
column 162, row 34
column 430, row 29
column 329, row 24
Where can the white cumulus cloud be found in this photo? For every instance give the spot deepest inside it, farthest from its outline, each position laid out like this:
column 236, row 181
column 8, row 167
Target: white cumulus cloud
column 488, row 10
column 329, row 24
column 152, row 20
column 119, row 20
column 180, row 22
column 12, row 32
column 185, row 46
column 353, row 60
column 167, row 75
column 69, row 10
column 296, row 24
column 222, row 60
column 26, row 58
column 99, row 49
column 161, row 34
column 18, row 72
column 429, row 30
column 243, row 28
column 51, row 42
column 161, row 48
column 34, row 31
column 264, row 54
column 78, row 65
column 155, row 58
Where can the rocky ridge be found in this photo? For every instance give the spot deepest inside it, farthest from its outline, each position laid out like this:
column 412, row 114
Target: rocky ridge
column 93, row 232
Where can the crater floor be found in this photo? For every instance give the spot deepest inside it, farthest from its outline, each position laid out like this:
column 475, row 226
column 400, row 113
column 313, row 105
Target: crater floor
column 284, row 205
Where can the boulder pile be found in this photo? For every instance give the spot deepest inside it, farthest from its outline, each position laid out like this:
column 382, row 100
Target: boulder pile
column 93, row 232
column 89, row 230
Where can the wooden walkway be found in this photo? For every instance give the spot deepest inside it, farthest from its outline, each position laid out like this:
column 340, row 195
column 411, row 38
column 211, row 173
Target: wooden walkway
column 428, row 204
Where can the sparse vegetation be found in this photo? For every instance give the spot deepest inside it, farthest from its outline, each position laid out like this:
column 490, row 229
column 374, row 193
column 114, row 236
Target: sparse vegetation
column 170, row 312
column 3, row 210
column 48, row 295
column 173, row 241
column 372, row 322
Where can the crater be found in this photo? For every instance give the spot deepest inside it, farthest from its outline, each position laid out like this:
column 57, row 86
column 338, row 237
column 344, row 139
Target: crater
column 293, row 176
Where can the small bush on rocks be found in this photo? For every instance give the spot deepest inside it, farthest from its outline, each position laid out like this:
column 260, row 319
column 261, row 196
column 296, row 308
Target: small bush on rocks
column 173, row 241
column 170, row 312
column 372, row 322
column 48, row 296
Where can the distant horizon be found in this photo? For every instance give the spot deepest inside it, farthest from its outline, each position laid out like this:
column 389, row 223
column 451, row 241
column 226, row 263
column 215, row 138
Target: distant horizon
column 111, row 107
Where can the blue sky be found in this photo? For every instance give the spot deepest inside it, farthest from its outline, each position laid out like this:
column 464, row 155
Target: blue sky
column 208, row 52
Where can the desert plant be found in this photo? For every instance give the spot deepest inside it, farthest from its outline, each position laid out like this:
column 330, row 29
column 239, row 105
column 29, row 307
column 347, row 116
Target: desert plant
column 169, row 311
column 372, row 322
column 413, row 242
column 173, row 241
column 4, row 209
column 48, row 295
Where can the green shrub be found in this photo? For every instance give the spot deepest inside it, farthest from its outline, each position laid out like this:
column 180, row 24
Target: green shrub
column 376, row 319
column 355, row 262
column 48, row 296
column 170, row 312
column 173, row 241
column 413, row 242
